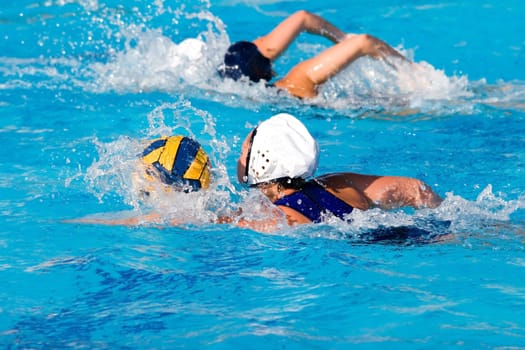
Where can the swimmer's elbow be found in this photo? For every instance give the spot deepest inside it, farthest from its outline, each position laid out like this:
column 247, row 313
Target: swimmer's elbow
column 435, row 201
column 303, row 14
column 363, row 204
column 306, row 19
column 427, row 198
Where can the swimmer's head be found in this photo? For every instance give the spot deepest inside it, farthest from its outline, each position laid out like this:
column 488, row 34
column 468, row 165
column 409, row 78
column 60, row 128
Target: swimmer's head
column 178, row 161
column 244, row 59
column 280, row 147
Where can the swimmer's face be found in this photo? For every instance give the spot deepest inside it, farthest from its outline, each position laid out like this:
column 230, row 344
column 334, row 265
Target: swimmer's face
column 241, row 162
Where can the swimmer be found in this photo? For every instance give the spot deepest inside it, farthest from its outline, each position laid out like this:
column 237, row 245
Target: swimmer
column 254, row 59
column 279, row 157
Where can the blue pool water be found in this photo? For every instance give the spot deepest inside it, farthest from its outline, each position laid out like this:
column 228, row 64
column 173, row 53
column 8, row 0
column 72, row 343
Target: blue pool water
column 83, row 82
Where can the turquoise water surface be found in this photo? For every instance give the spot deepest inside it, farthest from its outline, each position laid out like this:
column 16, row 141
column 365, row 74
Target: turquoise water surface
column 84, row 82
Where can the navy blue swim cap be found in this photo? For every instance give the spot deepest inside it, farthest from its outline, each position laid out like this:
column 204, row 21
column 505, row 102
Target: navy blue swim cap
column 244, row 58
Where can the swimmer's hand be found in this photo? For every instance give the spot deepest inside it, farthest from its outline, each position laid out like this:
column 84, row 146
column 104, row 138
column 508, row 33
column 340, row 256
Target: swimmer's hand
column 378, row 49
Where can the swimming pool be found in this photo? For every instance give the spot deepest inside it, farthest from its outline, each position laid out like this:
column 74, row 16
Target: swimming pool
column 83, row 82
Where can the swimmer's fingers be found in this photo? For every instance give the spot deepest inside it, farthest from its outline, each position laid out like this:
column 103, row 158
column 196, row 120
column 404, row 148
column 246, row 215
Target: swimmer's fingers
column 388, row 60
column 393, row 58
column 382, row 51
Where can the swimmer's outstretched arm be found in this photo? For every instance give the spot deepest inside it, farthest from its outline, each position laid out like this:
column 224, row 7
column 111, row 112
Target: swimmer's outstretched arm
column 303, row 79
column 152, row 218
column 265, row 225
column 277, row 41
column 331, row 61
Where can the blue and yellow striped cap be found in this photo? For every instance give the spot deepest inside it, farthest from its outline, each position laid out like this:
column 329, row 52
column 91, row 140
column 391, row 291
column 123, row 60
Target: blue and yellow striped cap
column 180, row 161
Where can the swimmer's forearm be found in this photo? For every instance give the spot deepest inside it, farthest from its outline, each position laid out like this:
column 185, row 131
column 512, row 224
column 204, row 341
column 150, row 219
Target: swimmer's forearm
column 130, row 221
column 315, row 24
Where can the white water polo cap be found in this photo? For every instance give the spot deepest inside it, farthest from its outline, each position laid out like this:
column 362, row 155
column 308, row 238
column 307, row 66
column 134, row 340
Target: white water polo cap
column 281, row 147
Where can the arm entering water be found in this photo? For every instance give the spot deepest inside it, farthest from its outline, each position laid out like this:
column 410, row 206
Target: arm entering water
column 273, row 44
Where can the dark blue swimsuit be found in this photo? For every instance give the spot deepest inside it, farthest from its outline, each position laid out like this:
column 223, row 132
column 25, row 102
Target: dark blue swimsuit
column 313, row 201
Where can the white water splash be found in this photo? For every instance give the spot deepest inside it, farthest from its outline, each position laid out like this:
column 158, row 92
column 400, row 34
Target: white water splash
column 487, row 207
column 395, row 85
